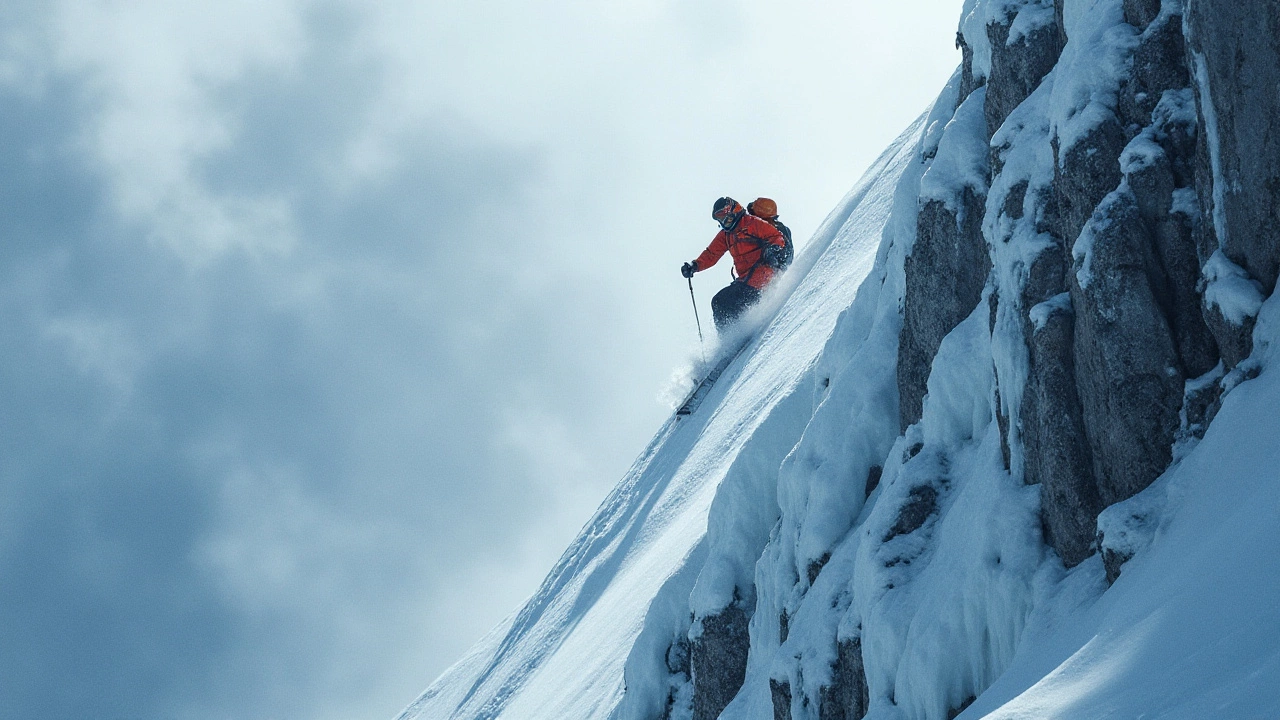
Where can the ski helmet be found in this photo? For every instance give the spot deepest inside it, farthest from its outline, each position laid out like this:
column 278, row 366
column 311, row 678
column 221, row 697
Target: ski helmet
column 726, row 211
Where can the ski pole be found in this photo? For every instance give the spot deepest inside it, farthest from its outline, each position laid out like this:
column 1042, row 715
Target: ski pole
column 701, row 343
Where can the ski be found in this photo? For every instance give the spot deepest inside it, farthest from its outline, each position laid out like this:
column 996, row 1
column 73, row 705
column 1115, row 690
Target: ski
column 704, row 386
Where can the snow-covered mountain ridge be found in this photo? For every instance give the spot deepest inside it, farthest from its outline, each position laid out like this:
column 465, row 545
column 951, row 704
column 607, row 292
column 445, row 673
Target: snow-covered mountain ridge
column 1005, row 443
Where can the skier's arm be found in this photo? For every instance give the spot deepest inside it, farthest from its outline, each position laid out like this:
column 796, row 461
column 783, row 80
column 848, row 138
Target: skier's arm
column 775, row 245
column 716, row 250
column 774, row 237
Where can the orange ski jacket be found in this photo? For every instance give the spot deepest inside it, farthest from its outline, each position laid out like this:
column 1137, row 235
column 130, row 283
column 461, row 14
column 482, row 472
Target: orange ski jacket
column 746, row 244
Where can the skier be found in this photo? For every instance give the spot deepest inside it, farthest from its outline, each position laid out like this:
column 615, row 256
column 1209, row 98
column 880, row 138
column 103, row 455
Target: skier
column 758, row 251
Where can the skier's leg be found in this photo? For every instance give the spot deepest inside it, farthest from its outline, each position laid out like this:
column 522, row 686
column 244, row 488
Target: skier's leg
column 729, row 304
column 722, row 308
column 750, row 296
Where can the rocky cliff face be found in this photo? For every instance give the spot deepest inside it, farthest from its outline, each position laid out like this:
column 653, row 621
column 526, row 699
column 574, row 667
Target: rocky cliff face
column 1094, row 223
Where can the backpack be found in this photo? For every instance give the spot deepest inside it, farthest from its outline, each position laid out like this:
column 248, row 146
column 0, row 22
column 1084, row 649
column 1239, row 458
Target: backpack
column 789, row 252
column 767, row 210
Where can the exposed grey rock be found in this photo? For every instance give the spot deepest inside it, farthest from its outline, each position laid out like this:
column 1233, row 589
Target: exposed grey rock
column 1125, row 530
column 781, row 695
column 1083, row 175
column 954, row 712
column 1239, row 43
column 1152, row 186
column 1234, row 341
column 1203, row 234
column 1176, row 294
column 1013, row 206
column 993, row 307
column 1199, row 407
column 1177, row 132
column 1017, row 68
column 678, row 665
column 1055, row 447
column 1112, row 561
column 1127, row 369
column 1054, row 441
column 968, row 83
column 719, row 661
column 1159, row 64
column 945, row 274
column 1046, row 278
column 1104, row 391
column 848, row 697
column 1002, row 421
column 1059, row 23
column 816, row 566
column 830, row 706
column 873, row 479
column 921, row 503
column 1140, row 13
column 678, row 658
column 1175, row 273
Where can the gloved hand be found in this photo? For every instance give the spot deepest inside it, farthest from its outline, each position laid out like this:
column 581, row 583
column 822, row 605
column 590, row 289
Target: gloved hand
column 688, row 269
column 774, row 255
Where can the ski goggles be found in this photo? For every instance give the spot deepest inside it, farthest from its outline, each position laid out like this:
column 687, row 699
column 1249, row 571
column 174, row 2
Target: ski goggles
column 726, row 216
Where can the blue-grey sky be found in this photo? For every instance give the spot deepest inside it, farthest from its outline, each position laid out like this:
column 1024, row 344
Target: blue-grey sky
column 325, row 325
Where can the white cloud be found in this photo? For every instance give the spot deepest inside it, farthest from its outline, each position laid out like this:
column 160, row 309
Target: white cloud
column 380, row 295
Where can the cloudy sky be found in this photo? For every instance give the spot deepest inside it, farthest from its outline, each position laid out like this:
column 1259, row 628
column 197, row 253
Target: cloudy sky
column 325, row 325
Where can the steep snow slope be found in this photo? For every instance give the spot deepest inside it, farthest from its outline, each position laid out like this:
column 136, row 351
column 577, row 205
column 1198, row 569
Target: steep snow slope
column 562, row 655
column 1027, row 470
